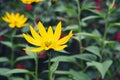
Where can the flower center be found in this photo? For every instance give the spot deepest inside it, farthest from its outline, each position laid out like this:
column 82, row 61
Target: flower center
column 47, row 44
column 15, row 22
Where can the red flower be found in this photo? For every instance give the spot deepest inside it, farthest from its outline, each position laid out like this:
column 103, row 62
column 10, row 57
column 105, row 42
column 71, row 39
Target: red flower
column 117, row 37
column 98, row 8
column 42, row 55
column 28, row 7
column 20, row 66
column 1, row 38
column 98, row 1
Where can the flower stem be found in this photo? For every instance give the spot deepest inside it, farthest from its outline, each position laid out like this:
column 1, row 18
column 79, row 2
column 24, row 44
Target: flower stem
column 79, row 22
column 12, row 49
column 12, row 57
column 36, row 68
column 49, row 64
column 105, row 32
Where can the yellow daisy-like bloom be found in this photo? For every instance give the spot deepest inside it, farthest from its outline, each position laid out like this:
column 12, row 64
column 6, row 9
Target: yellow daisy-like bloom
column 46, row 40
column 15, row 20
column 31, row 1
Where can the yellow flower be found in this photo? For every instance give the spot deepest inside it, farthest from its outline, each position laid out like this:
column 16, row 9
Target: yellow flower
column 46, row 40
column 54, row 0
column 15, row 20
column 38, row 0
column 31, row 1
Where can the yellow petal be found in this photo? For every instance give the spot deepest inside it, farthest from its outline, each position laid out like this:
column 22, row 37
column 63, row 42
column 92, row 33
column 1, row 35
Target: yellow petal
column 31, row 40
column 57, row 31
column 27, row 1
column 50, row 33
column 65, row 39
column 23, row 21
column 42, row 30
column 6, row 19
column 12, row 17
column 35, row 49
column 21, row 17
column 17, row 15
column 60, row 47
column 8, row 15
column 35, row 34
column 25, row 24
column 11, row 25
column 18, row 25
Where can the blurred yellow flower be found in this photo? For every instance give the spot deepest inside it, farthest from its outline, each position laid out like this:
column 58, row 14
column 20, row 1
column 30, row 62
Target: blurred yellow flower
column 46, row 40
column 15, row 20
column 31, row 1
column 54, row 0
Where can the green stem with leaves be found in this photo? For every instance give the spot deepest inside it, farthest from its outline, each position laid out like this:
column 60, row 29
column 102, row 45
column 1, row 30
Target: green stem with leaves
column 12, row 49
column 105, row 32
column 79, row 22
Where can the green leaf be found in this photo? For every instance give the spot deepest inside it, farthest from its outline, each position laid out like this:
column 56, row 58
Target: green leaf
column 87, row 4
column 20, row 45
column 2, row 32
column 101, row 14
column 63, row 59
column 17, row 78
column 87, row 7
column 78, row 37
column 25, row 29
column 62, row 72
column 117, row 47
column 97, row 33
column 79, row 75
column 62, row 78
column 3, row 71
column 114, row 24
column 53, row 67
column 86, row 57
column 112, row 30
column 71, row 27
column 63, row 51
column 4, row 59
column 23, row 58
column 68, row 9
column 93, row 36
column 89, row 18
column 94, row 49
column 101, row 67
column 18, row 36
column 7, row 43
column 15, row 71
column 61, row 8
column 110, row 43
column 31, row 54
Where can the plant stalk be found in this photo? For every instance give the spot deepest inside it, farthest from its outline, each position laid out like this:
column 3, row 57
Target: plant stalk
column 49, row 64
column 79, row 22
column 12, row 49
column 105, row 32
column 36, row 68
